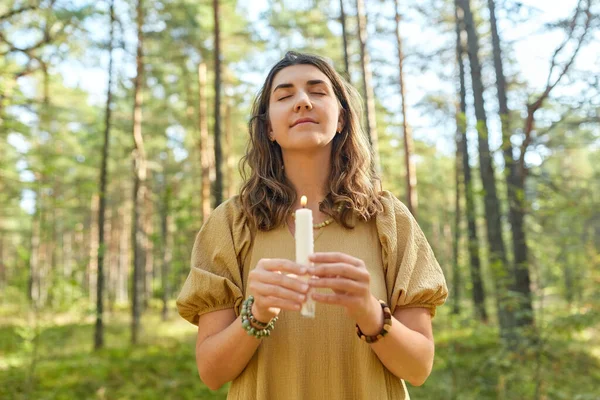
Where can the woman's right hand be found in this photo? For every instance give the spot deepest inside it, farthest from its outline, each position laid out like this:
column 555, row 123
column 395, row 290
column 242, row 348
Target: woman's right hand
column 275, row 287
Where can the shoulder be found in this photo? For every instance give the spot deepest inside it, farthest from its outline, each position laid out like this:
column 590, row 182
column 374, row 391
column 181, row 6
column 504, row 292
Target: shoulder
column 229, row 219
column 230, row 212
column 393, row 208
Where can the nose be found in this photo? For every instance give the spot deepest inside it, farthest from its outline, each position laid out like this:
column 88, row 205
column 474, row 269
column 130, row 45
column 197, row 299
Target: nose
column 302, row 102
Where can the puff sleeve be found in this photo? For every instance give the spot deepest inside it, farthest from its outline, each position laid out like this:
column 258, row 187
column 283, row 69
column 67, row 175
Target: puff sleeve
column 215, row 279
column 413, row 275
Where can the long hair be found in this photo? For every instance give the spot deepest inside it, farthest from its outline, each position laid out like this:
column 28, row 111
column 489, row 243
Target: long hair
column 267, row 196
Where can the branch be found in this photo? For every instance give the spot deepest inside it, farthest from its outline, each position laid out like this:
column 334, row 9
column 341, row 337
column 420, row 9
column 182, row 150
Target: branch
column 537, row 104
column 12, row 13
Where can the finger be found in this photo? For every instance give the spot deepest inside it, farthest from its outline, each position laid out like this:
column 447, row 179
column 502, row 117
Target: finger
column 334, row 257
column 339, row 299
column 286, row 281
column 276, row 302
column 266, row 290
column 342, row 269
column 339, row 284
column 282, row 265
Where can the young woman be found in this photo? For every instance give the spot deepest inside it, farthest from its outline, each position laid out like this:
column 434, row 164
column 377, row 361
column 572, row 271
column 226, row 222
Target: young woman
column 373, row 274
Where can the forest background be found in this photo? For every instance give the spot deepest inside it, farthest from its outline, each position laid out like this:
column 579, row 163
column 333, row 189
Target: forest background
column 122, row 123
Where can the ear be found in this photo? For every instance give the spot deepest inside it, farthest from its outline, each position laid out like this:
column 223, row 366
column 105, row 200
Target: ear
column 341, row 121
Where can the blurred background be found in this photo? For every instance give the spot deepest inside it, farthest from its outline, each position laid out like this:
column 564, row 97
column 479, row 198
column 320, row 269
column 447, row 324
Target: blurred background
column 122, row 123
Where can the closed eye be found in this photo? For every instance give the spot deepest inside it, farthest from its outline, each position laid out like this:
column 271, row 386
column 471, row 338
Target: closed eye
column 283, row 98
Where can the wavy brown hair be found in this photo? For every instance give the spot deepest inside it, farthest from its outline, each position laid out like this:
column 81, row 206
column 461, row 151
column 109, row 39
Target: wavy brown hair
column 267, row 196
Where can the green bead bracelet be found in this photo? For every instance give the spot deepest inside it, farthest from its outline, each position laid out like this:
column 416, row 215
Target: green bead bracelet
column 249, row 323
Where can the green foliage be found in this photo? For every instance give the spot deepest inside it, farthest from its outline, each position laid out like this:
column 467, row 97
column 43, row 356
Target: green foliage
column 65, row 366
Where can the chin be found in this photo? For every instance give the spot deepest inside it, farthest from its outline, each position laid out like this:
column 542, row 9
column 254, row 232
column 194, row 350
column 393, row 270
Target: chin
column 309, row 141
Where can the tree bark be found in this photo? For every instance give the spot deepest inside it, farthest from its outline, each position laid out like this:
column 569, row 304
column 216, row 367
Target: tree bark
column 522, row 282
column 477, row 293
column 204, row 145
column 456, row 278
column 34, row 259
column 139, row 186
column 167, row 246
column 99, row 328
column 148, row 229
column 498, row 262
column 228, row 151
column 218, row 189
column 411, row 170
column 92, row 272
column 345, row 41
column 369, row 94
column 122, row 295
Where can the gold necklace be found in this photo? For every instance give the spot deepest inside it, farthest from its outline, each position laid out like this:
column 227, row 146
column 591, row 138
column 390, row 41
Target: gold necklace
column 326, row 222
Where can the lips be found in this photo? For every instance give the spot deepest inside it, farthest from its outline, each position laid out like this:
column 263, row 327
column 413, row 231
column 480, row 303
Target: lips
column 304, row 120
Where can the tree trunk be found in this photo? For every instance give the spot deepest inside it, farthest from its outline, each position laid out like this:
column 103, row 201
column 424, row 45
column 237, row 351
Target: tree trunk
column 113, row 260
column 522, row 282
column 456, row 278
column 34, row 259
column 167, row 246
column 228, row 153
column 3, row 262
column 92, row 272
column 148, row 247
column 497, row 251
column 477, row 293
column 139, row 185
column 411, row 171
column 204, row 144
column 369, row 94
column 99, row 329
column 122, row 295
column 218, row 189
column 345, row 41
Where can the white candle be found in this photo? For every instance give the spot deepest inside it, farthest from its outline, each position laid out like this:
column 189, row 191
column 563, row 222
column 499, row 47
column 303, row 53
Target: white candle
column 305, row 247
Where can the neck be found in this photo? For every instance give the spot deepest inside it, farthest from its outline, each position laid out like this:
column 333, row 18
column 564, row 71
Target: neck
column 308, row 173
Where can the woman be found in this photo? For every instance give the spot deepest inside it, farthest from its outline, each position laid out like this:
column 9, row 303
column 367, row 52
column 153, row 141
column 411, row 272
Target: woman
column 242, row 291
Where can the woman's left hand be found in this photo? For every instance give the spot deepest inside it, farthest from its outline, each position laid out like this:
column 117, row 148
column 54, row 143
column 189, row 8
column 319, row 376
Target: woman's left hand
column 350, row 280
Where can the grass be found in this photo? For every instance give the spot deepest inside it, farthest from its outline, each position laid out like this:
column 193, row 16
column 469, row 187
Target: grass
column 161, row 366
column 51, row 357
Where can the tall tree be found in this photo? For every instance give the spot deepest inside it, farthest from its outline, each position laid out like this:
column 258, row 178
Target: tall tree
column 409, row 162
column 516, row 170
column 228, row 150
column 99, row 329
column 204, row 143
column 139, row 186
column 167, row 242
column 218, row 189
column 477, row 293
column 368, row 92
column 498, row 260
column 345, row 41
column 524, row 314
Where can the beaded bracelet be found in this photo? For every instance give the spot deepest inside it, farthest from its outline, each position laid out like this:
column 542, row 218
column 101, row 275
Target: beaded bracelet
column 248, row 320
column 387, row 325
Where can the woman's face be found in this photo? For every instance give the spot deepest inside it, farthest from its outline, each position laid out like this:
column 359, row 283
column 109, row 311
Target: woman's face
column 304, row 112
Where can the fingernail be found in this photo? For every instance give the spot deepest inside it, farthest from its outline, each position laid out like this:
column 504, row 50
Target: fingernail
column 303, row 271
column 304, row 287
column 311, row 270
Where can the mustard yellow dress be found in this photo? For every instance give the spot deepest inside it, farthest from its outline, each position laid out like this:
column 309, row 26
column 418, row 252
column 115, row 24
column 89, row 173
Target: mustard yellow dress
column 320, row 358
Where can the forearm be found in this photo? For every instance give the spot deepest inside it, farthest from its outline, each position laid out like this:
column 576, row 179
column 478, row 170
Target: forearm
column 406, row 353
column 223, row 356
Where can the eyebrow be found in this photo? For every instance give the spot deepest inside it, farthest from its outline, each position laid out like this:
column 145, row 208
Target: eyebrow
column 312, row 82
